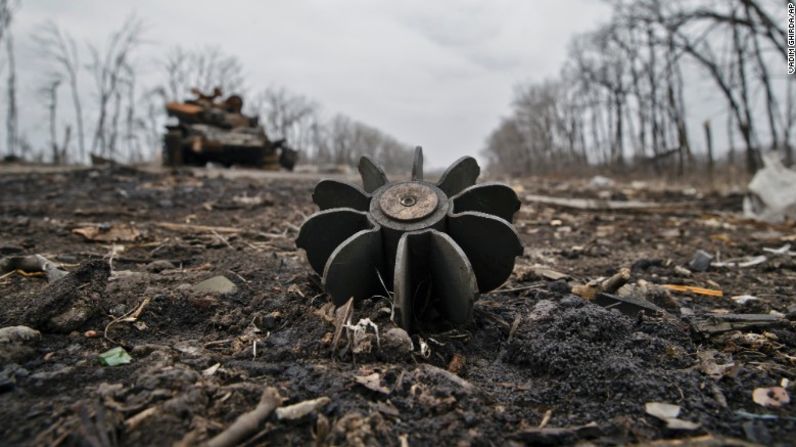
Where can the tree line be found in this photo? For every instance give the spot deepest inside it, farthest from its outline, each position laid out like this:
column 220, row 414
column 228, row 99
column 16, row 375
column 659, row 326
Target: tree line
column 98, row 101
column 620, row 98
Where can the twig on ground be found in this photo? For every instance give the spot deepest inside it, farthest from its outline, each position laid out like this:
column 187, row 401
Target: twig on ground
column 517, row 289
column 129, row 317
column 221, row 238
column 248, row 423
column 134, row 421
column 390, row 296
column 112, row 254
column 189, row 228
column 601, row 204
column 546, row 418
column 218, row 342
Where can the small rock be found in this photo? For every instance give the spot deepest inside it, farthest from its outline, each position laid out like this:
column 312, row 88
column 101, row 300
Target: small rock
column 700, row 262
column 771, row 397
column 217, row 284
column 396, row 343
column 743, row 299
column 159, row 266
column 15, row 334
column 682, row 271
column 662, row 410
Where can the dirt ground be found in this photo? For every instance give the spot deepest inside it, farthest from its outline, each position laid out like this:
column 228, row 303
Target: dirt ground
column 538, row 365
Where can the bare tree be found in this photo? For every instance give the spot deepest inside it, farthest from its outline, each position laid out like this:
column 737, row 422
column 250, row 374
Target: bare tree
column 765, row 78
column 203, row 68
column 12, row 120
column 623, row 84
column 504, row 150
column 286, row 115
column 59, row 49
column 108, row 69
column 342, row 141
column 693, row 32
column 175, row 66
column 50, row 93
column 148, row 122
column 709, row 146
column 6, row 14
column 131, row 138
column 789, row 119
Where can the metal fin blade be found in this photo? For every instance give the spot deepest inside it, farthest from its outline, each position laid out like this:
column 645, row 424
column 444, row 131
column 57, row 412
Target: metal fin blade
column 353, row 268
column 373, row 177
column 402, row 283
column 454, row 284
column 417, row 166
column 461, row 174
column 411, row 277
column 491, row 244
column 334, row 194
column 496, row 199
column 322, row 232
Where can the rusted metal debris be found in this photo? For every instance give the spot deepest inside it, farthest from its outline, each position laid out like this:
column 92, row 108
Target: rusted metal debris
column 210, row 130
column 432, row 246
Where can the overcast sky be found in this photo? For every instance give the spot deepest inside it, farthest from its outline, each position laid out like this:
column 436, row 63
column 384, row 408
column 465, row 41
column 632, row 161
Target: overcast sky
column 435, row 73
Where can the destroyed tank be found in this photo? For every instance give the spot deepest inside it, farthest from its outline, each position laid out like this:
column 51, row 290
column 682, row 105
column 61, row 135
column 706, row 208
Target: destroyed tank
column 211, row 130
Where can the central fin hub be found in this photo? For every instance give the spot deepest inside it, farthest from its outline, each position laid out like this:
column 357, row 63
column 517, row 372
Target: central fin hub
column 409, row 201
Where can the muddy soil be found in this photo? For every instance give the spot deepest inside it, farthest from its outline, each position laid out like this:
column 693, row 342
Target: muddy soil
column 535, row 355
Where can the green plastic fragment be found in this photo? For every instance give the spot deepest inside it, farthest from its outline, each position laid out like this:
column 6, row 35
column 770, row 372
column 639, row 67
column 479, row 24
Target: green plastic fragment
column 115, row 356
